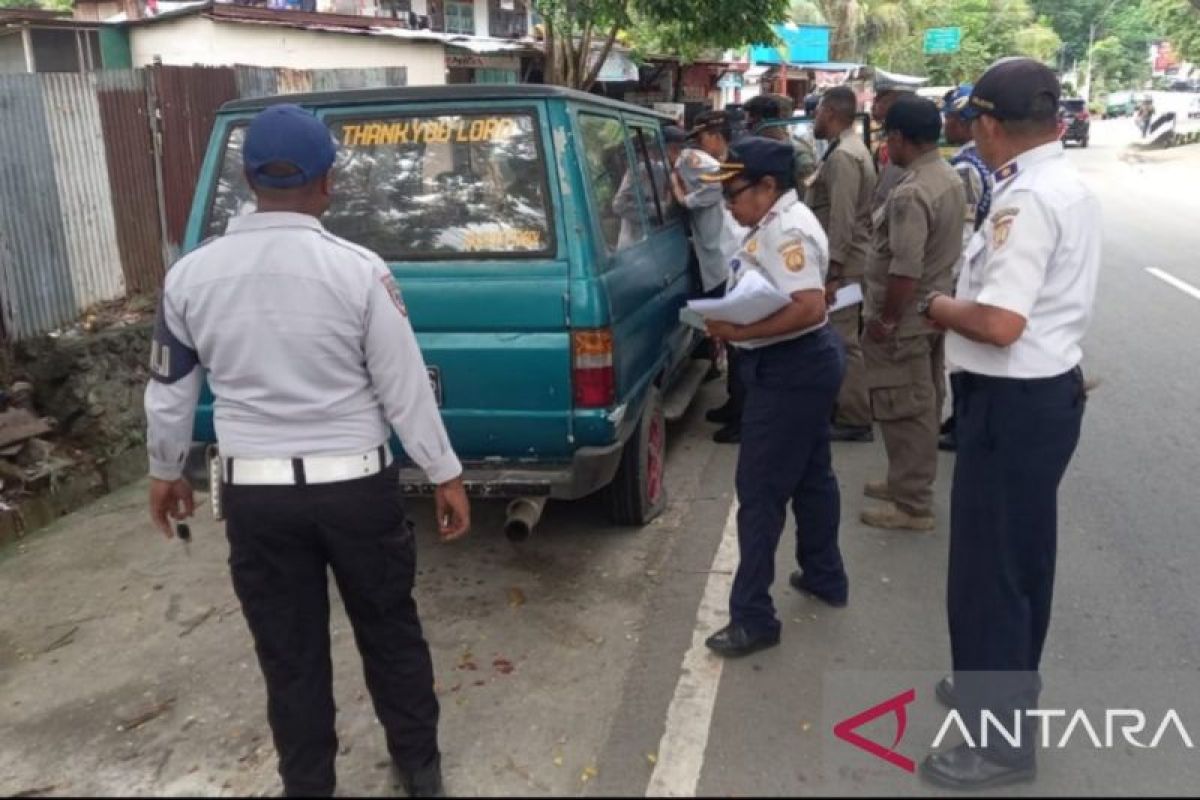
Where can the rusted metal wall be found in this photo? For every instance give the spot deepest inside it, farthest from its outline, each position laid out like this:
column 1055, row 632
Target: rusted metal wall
column 81, row 176
column 36, row 292
column 187, row 99
column 98, row 171
column 125, row 122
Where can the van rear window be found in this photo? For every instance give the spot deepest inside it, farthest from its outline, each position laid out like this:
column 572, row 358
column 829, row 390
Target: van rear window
column 424, row 187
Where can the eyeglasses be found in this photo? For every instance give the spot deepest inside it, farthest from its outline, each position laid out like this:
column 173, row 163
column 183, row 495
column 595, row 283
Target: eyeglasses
column 730, row 196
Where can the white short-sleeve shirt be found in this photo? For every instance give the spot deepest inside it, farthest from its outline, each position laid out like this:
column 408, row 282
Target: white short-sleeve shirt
column 1037, row 255
column 789, row 248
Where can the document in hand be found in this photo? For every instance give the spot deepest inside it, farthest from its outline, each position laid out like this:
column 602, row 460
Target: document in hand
column 752, row 300
column 847, row 296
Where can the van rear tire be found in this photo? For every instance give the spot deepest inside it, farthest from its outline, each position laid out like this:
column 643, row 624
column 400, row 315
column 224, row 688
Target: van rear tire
column 638, row 493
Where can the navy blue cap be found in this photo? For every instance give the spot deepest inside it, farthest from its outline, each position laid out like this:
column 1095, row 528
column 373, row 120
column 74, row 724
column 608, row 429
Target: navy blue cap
column 287, row 134
column 959, row 104
column 754, row 157
column 1010, row 88
column 674, row 134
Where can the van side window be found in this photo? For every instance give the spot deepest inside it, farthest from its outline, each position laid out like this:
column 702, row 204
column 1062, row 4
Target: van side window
column 232, row 197
column 660, row 201
column 613, row 190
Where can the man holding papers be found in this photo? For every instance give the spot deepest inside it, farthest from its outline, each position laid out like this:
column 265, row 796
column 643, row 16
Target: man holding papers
column 791, row 363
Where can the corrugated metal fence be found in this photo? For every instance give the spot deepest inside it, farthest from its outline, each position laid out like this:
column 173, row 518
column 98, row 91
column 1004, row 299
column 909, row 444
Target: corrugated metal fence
column 97, row 175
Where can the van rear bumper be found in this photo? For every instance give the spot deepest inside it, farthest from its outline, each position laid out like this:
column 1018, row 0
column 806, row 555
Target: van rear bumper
column 590, row 469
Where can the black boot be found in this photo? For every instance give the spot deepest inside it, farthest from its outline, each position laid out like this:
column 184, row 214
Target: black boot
column 425, row 781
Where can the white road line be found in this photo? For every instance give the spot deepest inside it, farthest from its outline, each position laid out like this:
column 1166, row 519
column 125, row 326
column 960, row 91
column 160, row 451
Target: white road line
column 1167, row 277
column 689, row 717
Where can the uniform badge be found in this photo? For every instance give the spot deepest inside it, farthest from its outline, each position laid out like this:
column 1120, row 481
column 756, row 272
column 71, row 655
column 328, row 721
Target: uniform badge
column 752, row 246
column 1002, row 222
column 393, row 291
column 1004, row 173
column 793, row 256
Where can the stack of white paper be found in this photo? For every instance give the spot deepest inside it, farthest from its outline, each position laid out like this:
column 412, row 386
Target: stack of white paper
column 752, row 300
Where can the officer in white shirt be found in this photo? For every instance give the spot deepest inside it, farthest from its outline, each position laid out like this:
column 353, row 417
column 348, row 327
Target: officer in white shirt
column 715, row 238
column 792, row 364
column 310, row 355
column 1023, row 304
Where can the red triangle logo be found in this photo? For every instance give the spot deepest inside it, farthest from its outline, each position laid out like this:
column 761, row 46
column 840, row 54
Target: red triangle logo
column 846, row 730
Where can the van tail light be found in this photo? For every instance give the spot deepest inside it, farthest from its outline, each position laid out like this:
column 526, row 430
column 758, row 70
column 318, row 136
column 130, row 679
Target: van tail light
column 594, row 379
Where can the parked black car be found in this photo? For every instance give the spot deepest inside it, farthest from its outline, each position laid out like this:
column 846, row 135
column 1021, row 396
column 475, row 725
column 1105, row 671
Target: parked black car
column 1075, row 124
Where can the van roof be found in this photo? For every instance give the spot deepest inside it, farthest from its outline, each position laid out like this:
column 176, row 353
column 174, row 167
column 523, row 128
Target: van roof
column 422, row 94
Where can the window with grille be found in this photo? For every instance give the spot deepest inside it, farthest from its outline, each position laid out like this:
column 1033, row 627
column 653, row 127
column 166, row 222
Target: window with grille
column 460, row 18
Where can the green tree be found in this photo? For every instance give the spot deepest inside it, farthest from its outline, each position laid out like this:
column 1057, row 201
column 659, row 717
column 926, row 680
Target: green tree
column 579, row 34
column 1179, row 22
column 855, row 25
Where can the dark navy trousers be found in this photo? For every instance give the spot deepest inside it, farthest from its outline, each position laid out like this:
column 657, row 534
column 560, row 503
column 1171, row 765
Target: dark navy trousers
column 1015, row 439
column 790, row 389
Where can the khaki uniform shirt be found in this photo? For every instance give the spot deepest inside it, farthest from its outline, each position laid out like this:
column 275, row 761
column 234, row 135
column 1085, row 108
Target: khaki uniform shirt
column 840, row 197
column 917, row 234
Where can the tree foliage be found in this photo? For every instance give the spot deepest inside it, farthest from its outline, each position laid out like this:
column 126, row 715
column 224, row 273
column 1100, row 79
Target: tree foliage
column 579, row 34
column 1179, row 22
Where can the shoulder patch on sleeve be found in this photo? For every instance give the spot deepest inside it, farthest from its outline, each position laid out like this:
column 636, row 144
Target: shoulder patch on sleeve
column 793, row 254
column 393, row 291
column 1002, row 222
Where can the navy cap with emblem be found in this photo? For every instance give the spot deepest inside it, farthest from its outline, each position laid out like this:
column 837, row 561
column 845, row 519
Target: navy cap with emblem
column 753, row 157
column 1010, row 88
column 287, row 134
column 958, row 103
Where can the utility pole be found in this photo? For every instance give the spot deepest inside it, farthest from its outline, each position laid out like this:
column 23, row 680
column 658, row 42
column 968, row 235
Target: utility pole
column 1087, row 84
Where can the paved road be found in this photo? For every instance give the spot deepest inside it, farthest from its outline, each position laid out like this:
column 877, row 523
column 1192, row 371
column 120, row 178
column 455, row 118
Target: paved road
column 565, row 666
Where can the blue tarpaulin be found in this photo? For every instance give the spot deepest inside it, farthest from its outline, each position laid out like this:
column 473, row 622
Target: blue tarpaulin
column 800, row 44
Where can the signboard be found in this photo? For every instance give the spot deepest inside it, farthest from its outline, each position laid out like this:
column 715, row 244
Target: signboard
column 799, row 44
column 731, row 80
column 476, row 61
column 940, row 41
column 1163, row 57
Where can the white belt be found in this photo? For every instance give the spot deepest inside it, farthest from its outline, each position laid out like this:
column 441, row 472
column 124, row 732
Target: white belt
column 301, row 471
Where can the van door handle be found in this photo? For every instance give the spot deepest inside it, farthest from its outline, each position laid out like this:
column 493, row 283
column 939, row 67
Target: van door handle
column 666, row 281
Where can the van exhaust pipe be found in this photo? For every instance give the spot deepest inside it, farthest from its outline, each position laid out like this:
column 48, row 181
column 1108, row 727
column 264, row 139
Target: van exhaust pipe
column 522, row 517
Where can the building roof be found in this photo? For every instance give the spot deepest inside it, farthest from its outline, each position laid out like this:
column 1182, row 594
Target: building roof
column 42, row 19
column 429, row 94
column 329, row 23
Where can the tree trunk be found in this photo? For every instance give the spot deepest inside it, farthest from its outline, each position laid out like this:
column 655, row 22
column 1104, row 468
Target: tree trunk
column 594, row 72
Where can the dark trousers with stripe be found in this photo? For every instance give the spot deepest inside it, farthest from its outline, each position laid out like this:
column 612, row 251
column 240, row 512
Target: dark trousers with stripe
column 1015, row 439
column 283, row 541
column 785, row 458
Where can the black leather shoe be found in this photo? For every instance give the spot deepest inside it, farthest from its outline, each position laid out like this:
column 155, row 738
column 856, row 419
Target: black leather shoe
column 852, row 433
column 720, row 415
column 947, row 442
column 965, row 768
column 945, row 692
column 734, row 640
column 730, row 434
column 837, row 599
column 423, row 782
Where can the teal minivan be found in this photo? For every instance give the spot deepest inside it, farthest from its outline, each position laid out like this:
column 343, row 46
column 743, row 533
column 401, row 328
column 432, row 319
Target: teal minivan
column 543, row 261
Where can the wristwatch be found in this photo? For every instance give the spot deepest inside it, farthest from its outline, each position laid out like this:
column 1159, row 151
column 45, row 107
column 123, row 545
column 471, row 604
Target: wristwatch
column 925, row 303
